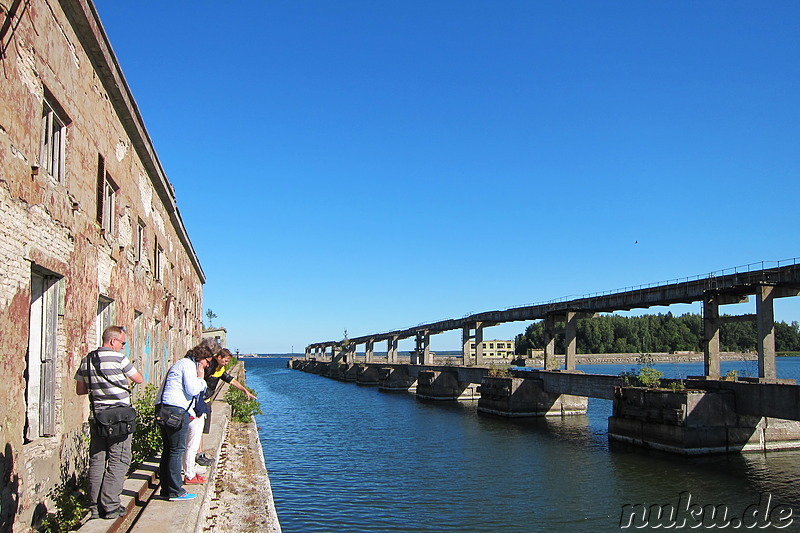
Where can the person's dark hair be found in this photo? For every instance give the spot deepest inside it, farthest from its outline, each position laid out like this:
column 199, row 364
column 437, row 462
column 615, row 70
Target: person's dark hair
column 223, row 353
column 211, row 344
column 200, row 352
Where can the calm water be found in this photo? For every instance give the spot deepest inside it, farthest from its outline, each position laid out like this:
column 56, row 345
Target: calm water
column 344, row 458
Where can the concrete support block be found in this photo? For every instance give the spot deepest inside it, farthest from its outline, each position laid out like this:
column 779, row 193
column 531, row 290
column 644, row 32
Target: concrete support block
column 522, row 397
column 693, row 422
column 352, row 372
column 396, row 379
column 369, row 375
column 444, row 385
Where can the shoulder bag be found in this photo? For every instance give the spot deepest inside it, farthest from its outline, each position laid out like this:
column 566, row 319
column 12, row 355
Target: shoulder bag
column 116, row 421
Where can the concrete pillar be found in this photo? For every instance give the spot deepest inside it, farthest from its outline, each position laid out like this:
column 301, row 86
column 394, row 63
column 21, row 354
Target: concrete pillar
column 570, row 333
column 765, row 318
column 711, row 336
column 550, row 343
column 423, row 348
column 391, row 350
column 370, row 351
column 465, row 338
column 479, row 343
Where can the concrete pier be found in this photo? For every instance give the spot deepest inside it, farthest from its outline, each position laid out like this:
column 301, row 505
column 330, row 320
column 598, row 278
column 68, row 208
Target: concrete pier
column 693, row 422
column 707, row 416
column 396, row 379
column 521, row 397
column 445, row 385
column 368, row 375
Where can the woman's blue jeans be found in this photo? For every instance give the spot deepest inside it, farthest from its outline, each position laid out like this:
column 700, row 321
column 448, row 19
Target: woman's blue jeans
column 174, row 444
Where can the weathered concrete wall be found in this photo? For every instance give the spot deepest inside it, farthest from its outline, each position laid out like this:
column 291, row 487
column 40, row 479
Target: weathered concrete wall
column 445, row 385
column 695, row 422
column 515, row 397
column 396, row 378
column 56, row 51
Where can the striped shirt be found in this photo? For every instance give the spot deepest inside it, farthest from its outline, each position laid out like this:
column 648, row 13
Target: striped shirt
column 114, row 366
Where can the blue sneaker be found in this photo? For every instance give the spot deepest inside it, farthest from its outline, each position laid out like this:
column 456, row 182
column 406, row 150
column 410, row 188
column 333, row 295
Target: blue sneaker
column 182, row 497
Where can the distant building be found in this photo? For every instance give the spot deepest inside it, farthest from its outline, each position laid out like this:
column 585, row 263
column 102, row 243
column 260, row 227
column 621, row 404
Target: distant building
column 90, row 236
column 494, row 348
column 218, row 334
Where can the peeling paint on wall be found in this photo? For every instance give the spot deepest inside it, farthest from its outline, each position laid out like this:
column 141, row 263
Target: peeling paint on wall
column 121, row 150
column 145, row 193
column 158, row 220
column 124, row 229
column 105, row 264
column 26, row 66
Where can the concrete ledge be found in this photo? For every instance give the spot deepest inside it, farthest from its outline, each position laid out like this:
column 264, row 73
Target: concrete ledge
column 187, row 516
column 157, row 515
column 133, row 491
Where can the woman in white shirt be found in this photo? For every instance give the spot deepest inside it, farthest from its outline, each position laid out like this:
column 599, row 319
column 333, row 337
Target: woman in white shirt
column 183, row 382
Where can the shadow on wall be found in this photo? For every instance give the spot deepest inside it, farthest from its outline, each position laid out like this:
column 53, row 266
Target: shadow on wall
column 9, row 493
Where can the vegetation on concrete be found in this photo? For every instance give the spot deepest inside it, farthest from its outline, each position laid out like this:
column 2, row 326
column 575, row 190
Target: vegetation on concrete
column 146, row 440
column 658, row 333
column 643, row 374
column 242, row 409
column 499, row 371
column 71, row 506
column 731, row 375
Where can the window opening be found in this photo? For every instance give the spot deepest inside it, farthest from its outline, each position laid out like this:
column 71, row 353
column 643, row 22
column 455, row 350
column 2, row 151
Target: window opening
column 53, row 139
column 41, row 357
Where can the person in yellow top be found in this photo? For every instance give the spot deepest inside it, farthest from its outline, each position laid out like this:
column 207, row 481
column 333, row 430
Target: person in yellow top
column 215, row 373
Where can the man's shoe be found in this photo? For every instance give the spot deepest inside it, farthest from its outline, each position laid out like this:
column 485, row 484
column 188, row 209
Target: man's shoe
column 119, row 511
column 196, row 480
column 93, row 513
column 183, row 497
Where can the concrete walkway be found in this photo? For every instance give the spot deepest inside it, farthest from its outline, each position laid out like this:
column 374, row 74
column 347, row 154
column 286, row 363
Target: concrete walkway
column 214, row 508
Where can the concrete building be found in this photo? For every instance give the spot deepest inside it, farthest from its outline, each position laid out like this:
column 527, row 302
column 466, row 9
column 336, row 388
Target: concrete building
column 218, row 334
column 494, row 348
column 90, row 236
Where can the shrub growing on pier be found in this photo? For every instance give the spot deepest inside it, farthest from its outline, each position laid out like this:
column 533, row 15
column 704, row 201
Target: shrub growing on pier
column 147, row 438
column 242, row 409
column 643, row 375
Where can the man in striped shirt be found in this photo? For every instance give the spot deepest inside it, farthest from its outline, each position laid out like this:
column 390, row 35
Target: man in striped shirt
column 104, row 374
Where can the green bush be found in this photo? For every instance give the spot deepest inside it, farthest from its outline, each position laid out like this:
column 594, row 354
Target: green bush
column 147, row 438
column 644, row 375
column 242, row 409
column 71, row 506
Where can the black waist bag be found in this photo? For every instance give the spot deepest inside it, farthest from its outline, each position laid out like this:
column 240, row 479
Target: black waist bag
column 167, row 418
column 115, row 421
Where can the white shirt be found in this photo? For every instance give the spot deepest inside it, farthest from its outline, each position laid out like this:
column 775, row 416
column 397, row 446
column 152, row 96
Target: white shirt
column 181, row 384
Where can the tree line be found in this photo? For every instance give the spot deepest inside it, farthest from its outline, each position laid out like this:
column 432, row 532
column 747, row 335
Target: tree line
column 656, row 333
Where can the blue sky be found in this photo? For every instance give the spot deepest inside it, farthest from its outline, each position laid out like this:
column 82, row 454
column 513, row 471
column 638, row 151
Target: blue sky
column 372, row 165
